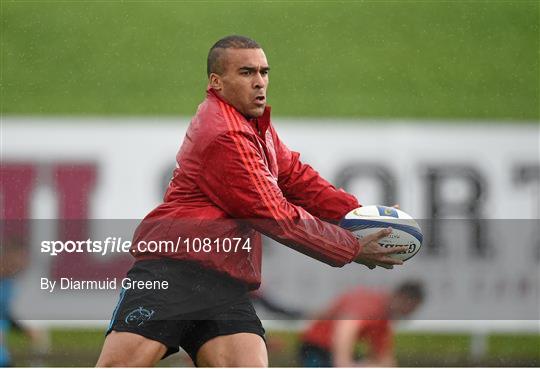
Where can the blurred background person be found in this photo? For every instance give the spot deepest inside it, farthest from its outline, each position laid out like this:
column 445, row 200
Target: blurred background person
column 361, row 315
column 14, row 258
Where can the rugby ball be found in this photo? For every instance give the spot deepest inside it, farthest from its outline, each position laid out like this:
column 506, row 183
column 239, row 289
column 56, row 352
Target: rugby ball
column 370, row 219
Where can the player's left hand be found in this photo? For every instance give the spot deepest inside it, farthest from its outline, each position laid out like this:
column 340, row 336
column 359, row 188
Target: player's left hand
column 373, row 254
column 386, row 266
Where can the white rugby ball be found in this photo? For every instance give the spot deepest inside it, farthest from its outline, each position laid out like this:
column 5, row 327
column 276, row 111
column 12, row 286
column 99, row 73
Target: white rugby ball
column 370, row 219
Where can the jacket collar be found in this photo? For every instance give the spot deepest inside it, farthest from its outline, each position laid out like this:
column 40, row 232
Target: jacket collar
column 260, row 123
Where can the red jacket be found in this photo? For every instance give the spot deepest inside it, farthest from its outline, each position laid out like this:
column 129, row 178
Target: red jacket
column 364, row 307
column 235, row 178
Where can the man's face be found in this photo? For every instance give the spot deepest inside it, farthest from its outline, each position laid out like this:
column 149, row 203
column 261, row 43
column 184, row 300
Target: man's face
column 244, row 80
column 402, row 306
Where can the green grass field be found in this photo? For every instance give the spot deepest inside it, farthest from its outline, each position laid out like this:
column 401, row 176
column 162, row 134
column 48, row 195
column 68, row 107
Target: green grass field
column 81, row 348
column 384, row 59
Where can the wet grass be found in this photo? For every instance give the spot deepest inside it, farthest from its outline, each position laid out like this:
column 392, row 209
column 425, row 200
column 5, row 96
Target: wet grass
column 387, row 59
column 77, row 347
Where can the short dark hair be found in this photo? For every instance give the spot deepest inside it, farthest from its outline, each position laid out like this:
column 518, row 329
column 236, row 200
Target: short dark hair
column 412, row 289
column 213, row 63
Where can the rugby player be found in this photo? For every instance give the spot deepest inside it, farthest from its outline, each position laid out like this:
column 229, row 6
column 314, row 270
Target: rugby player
column 361, row 315
column 234, row 179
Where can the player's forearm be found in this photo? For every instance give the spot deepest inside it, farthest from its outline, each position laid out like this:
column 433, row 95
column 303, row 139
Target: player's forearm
column 320, row 240
column 303, row 186
column 343, row 363
column 325, row 202
column 342, row 354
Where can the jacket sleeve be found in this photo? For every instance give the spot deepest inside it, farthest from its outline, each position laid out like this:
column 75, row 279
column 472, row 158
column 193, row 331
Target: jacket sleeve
column 303, row 186
column 237, row 179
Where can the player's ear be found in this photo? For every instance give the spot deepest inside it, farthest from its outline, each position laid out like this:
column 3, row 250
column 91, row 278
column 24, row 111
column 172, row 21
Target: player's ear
column 215, row 82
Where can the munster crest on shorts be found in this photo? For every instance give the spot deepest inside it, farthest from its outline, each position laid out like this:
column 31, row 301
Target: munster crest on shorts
column 139, row 316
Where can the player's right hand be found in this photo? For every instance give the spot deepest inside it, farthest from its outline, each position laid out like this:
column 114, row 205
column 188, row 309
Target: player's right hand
column 373, row 254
